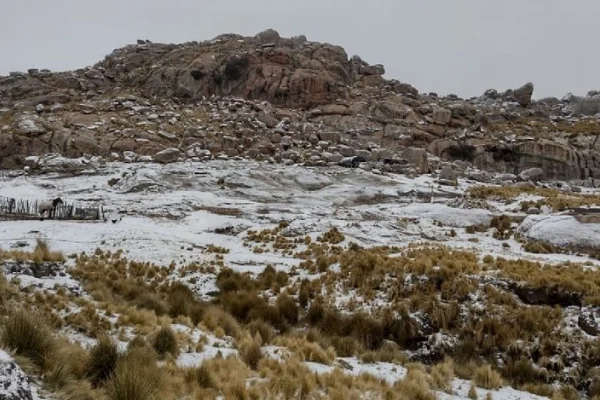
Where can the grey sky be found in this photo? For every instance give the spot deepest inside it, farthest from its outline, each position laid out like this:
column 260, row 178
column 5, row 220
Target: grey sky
column 446, row 46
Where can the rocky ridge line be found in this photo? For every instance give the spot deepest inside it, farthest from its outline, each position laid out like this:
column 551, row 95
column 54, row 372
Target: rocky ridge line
column 282, row 100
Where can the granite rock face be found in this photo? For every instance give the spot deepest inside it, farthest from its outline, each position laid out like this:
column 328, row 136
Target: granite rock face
column 287, row 100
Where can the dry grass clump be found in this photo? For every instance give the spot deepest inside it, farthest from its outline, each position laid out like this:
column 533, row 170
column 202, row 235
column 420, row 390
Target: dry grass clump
column 27, row 333
column 566, row 281
column 216, row 318
column 502, row 225
column 66, row 365
column 250, row 351
column 537, row 247
column 165, row 342
column 487, row 378
column 479, row 228
column 153, row 302
column 262, row 329
column 553, row 198
column 216, row 249
column 182, row 302
column 200, row 377
column 522, row 371
column 289, row 379
column 442, row 375
column 306, row 350
column 390, row 352
column 226, row 375
column 103, row 359
column 231, row 281
column 333, row 236
column 40, row 254
column 415, row 386
column 136, row 377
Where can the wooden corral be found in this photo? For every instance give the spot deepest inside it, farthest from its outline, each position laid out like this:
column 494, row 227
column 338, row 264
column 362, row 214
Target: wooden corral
column 17, row 209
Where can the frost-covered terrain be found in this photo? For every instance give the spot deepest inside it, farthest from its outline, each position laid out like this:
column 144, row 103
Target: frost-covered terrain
column 170, row 212
column 178, row 212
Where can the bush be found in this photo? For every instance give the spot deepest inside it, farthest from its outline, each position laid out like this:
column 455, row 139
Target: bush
column 231, row 281
column 538, row 247
column 181, row 300
column 487, row 378
column 28, row 335
column 42, row 253
column 103, row 360
column 287, row 308
column 263, row 329
column 522, row 371
column 345, row 346
column 251, row 352
column 165, row 342
column 415, row 386
column 201, row 376
column 136, row 377
column 442, row 374
column 215, row 317
column 153, row 302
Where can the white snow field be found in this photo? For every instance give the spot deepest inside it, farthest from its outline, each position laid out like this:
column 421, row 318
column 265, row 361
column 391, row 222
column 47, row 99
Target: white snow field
column 172, row 212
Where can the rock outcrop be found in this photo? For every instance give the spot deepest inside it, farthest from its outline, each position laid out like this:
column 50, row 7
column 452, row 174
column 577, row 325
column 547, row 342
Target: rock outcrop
column 14, row 384
column 285, row 100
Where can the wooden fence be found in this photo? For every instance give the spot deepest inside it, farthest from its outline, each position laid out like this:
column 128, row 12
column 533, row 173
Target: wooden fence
column 16, row 209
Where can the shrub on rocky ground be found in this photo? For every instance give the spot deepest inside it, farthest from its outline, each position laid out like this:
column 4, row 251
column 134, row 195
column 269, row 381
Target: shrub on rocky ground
column 136, row 377
column 165, row 342
column 102, row 361
column 28, row 334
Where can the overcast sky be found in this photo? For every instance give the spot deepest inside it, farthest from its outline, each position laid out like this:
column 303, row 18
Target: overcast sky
column 445, row 46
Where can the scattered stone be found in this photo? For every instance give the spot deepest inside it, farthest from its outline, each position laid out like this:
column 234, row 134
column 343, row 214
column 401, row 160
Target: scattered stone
column 531, row 174
column 587, row 322
column 533, row 211
column 168, row 155
column 447, row 174
column 28, row 126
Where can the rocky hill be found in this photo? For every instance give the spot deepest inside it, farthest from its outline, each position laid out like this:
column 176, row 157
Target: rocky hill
column 236, row 256
column 286, row 101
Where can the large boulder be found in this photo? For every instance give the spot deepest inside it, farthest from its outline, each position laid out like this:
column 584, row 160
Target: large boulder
column 441, row 115
column 417, row 157
column 523, row 94
column 589, row 105
column 167, row 155
column 563, row 231
column 29, row 126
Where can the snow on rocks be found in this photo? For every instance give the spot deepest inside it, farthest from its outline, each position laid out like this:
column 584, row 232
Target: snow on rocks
column 561, row 230
column 14, row 384
column 46, row 276
column 453, row 217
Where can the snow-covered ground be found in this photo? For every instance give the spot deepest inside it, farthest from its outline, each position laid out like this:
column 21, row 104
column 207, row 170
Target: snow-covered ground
column 174, row 212
column 171, row 212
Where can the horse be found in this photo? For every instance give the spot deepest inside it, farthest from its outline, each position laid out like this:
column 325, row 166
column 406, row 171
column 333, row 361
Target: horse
column 49, row 207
